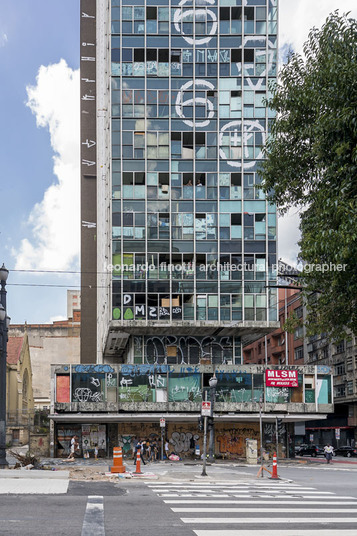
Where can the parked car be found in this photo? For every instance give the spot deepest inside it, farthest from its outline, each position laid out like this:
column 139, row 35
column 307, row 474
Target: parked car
column 310, row 450
column 345, row 451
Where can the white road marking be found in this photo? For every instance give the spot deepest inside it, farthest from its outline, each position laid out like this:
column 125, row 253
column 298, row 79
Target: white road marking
column 267, row 502
column 268, row 520
column 285, row 532
column 269, row 510
column 191, row 495
column 93, row 523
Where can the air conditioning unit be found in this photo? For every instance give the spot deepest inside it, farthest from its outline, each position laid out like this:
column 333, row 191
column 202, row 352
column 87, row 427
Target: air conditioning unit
column 165, row 188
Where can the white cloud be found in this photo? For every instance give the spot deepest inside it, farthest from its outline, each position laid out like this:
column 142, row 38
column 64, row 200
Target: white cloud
column 288, row 236
column 3, row 39
column 297, row 17
column 56, row 319
column 54, row 221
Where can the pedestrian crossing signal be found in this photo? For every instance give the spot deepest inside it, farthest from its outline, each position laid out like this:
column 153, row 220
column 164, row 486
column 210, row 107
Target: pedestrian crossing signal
column 200, row 423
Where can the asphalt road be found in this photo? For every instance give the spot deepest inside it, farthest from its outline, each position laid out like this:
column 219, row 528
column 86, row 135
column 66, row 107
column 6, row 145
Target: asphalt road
column 128, row 510
column 321, row 501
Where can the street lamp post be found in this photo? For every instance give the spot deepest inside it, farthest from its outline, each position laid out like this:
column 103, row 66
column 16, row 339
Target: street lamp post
column 4, row 324
column 212, row 391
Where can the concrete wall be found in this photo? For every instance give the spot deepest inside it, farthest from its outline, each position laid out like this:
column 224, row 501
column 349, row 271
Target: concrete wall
column 52, row 350
column 39, row 444
column 48, row 345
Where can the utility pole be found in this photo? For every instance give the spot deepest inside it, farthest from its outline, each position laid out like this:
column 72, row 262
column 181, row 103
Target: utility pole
column 4, row 324
column 261, row 438
column 204, row 443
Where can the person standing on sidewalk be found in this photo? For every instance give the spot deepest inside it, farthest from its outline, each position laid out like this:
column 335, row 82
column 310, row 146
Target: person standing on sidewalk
column 139, row 449
column 328, row 452
column 167, row 449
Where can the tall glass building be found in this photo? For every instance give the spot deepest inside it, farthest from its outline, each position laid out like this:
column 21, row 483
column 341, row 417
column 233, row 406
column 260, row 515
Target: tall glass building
column 185, row 241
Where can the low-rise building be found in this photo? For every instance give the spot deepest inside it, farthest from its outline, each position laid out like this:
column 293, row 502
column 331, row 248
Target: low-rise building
column 108, row 405
column 50, row 343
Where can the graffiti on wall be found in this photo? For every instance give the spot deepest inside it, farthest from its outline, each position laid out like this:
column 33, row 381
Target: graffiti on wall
column 140, row 370
column 125, row 443
column 91, row 369
column 233, row 441
column 84, row 394
column 182, row 441
column 188, row 349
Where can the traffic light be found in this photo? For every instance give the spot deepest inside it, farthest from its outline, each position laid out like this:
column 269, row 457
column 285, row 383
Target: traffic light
column 210, row 423
column 200, row 423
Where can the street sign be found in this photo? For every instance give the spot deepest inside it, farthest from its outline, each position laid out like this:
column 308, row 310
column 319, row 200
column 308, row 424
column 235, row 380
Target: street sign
column 206, row 409
column 281, row 378
column 162, row 423
column 338, row 433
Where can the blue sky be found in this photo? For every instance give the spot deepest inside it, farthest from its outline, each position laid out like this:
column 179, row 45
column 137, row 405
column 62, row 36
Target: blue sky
column 39, row 145
column 38, row 32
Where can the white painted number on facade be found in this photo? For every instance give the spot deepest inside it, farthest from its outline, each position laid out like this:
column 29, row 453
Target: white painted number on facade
column 180, row 103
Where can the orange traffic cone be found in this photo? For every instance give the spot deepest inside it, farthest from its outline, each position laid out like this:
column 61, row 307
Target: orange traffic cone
column 138, row 469
column 118, row 466
column 274, row 475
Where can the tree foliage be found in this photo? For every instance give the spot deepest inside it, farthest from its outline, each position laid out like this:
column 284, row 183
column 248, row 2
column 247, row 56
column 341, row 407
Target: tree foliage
column 311, row 163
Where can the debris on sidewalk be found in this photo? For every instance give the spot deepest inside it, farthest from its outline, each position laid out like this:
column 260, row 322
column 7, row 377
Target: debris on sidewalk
column 26, row 461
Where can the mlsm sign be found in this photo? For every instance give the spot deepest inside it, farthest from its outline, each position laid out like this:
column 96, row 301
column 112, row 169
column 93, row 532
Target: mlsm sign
column 281, row 378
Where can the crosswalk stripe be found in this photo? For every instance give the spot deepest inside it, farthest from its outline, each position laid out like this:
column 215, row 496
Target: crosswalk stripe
column 249, row 496
column 262, row 502
column 309, row 491
column 191, row 495
column 285, row 532
column 235, row 488
column 250, row 505
column 226, row 485
column 269, row 510
column 265, row 520
column 290, row 496
column 230, row 486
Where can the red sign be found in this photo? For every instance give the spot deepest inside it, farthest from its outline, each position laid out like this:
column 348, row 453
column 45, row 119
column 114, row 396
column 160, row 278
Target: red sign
column 281, row 378
column 206, row 409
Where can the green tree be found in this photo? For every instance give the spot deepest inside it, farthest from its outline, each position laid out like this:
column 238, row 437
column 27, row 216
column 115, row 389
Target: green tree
column 311, row 163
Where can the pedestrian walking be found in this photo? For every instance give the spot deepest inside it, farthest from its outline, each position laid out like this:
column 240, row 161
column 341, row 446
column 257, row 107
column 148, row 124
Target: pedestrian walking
column 72, row 447
column 96, row 451
column 328, row 450
column 139, row 448
column 155, row 452
column 167, row 449
column 134, row 443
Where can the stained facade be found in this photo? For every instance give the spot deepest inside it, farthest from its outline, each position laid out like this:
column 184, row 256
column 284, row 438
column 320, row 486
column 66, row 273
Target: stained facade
column 193, row 239
column 174, row 121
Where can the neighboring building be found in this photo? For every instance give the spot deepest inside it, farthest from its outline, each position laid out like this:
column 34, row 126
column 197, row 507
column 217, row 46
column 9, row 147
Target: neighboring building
column 341, row 427
column 73, row 303
column 49, row 344
column 19, row 395
column 281, row 347
column 178, row 243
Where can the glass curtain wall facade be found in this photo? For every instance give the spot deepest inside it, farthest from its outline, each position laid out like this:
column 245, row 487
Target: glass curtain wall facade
column 193, row 237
